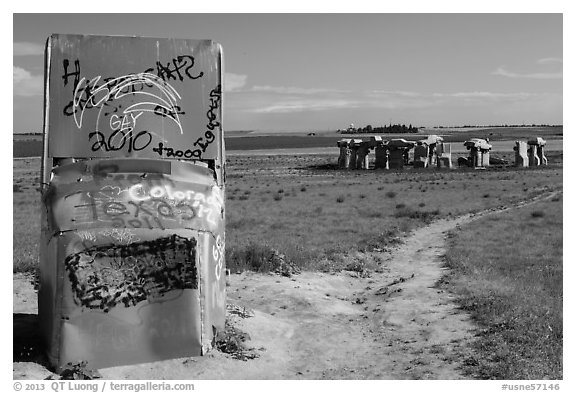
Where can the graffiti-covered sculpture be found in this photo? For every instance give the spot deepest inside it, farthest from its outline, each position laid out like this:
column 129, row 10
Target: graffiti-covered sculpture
column 421, row 151
column 398, row 152
column 354, row 146
column 345, row 153
column 521, row 154
column 444, row 155
column 433, row 141
column 536, row 155
column 479, row 152
column 362, row 155
column 132, row 248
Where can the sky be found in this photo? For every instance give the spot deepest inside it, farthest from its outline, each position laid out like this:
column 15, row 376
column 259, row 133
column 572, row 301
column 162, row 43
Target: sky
column 325, row 71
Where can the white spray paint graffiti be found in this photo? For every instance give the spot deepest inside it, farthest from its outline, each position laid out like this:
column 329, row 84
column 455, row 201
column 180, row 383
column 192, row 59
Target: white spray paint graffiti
column 218, row 254
column 119, row 87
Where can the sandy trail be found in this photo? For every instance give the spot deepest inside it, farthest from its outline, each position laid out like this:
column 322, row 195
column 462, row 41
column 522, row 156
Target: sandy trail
column 391, row 325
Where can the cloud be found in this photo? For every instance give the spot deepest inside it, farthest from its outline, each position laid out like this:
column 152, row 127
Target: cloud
column 485, row 95
column 294, row 100
column 27, row 84
column 399, row 93
column 550, row 60
column 305, row 106
column 234, row 82
column 296, row 90
column 28, row 49
column 501, row 71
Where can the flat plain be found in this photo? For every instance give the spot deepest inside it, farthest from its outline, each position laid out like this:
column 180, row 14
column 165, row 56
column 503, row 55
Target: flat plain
column 372, row 249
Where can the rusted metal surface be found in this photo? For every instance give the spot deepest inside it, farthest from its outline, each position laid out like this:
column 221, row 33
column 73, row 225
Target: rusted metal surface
column 132, row 245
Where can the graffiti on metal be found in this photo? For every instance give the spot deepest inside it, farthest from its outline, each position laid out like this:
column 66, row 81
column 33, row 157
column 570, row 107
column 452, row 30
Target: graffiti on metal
column 105, row 276
column 132, row 256
column 150, row 200
column 117, row 97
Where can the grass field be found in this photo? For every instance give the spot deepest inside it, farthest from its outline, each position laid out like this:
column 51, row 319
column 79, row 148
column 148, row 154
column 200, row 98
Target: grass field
column 507, row 269
column 507, row 273
column 26, row 214
column 313, row 213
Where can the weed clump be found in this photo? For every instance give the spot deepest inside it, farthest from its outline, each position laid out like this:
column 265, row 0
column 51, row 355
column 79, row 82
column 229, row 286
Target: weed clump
column 231, row 341
column 388, row 238
column 424, row 216
column 260, row 258
column 78, row 371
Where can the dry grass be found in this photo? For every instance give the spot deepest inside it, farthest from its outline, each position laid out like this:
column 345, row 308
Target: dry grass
column 26, row 213
column 507, row 272
column 339, row 213
column 345, row 211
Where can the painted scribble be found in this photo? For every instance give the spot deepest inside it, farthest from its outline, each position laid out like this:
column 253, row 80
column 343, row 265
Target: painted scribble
column 133, row 222
column 218, row 255
column 106, row 276
column 92, row 93
column 215, row 97
column 145, row 206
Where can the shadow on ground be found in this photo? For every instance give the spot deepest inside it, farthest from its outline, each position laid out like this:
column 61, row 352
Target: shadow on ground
column 27, row 343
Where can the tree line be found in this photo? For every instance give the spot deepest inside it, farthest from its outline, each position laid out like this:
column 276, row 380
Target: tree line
column 390, row 129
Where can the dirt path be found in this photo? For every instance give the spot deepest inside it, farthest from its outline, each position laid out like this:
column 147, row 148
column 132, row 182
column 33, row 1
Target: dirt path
column 391, row 325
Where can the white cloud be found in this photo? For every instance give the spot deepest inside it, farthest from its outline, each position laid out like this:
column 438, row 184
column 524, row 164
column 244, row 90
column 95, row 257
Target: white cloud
column 485, row 95
column 271, row 100
column 305, row 105
column 28, row 49
column 550, row 60
column 501, row 71
column 296, row 90
column 233, row 82
column 27, row 84
column 396, row 93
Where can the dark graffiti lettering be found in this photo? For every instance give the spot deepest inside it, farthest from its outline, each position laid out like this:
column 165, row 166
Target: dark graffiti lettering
column 215, row 97
column 201, row 143
column 185, row 206
column 75, row 74
column 189, row 67
column 114, row 208
column 105, row 276
column 171, row 152
column 139, row 207
column 165, row 210
column 165, row 72
column 145, row 139
column 118, row 139
column 186, row 61
column 164, row 112
column 170, row 71
column 179, row 68
column 140, row 200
